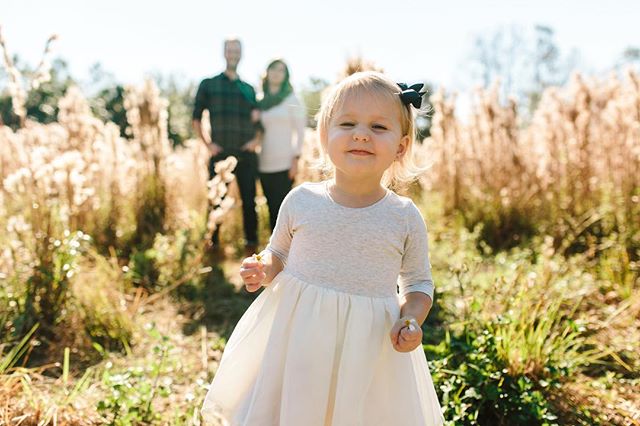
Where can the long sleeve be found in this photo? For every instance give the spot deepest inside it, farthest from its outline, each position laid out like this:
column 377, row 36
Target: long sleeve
column 280, row 240
column 298, row 117
column 200, row 103
column 415, row 273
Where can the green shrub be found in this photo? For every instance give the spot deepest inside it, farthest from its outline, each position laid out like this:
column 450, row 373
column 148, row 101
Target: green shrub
column 475, row 386
column 99, row 295
column 46, row 291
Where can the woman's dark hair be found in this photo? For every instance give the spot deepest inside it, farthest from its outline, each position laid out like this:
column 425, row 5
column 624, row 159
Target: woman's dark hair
column 270, row 100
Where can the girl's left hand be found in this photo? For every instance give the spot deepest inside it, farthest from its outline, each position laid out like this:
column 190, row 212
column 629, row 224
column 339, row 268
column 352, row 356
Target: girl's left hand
column 406, row 338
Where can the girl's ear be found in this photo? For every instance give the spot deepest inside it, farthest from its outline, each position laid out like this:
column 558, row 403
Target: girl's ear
column 402, row 147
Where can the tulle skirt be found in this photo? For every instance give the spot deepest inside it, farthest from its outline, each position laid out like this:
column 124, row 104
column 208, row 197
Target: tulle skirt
column 304, row 355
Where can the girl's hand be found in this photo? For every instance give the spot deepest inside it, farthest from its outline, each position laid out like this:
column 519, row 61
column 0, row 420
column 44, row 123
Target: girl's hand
column 406, row 334
column 252, row 273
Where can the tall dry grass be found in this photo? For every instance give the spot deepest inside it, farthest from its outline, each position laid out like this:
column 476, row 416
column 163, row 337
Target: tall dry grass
column 75, row 190
column 565, row 189
column 574, row 168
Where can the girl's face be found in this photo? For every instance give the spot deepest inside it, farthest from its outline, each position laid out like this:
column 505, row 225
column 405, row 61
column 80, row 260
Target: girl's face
column 276, row 74
column 364, row 137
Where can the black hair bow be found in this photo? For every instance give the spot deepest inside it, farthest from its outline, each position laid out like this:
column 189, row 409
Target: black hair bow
column 411, row 95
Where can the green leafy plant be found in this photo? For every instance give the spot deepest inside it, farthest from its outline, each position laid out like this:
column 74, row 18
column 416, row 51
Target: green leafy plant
column 132, row 392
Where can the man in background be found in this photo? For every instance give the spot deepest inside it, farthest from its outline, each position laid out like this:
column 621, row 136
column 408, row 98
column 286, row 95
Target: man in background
column 235, row 130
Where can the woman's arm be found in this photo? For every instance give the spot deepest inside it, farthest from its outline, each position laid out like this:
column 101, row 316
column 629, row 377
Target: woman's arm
column 298, row 117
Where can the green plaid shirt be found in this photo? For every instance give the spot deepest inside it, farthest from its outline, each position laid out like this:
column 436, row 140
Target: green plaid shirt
column 229, row 103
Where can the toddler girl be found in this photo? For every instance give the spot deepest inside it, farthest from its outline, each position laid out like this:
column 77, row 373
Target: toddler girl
column 335, row 337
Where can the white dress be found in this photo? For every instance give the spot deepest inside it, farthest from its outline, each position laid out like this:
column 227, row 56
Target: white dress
column 314, row 349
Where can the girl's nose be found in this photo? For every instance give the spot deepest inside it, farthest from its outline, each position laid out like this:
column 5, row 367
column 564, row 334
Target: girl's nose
column 360, row 135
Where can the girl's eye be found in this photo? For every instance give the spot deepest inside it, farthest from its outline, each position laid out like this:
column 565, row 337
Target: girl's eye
column 379, row 127
column 346, row 124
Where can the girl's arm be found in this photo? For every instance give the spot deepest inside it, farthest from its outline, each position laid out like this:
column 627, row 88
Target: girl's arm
column 416, row 305
column 259, row 270
column 273, row 266
column 406, row 333
column 415, row 284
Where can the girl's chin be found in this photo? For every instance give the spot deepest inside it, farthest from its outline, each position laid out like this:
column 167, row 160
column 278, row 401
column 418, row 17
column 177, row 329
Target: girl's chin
column 358, row 172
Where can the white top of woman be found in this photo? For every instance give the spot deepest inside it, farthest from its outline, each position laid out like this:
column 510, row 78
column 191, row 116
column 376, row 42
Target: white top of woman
column 283, row 134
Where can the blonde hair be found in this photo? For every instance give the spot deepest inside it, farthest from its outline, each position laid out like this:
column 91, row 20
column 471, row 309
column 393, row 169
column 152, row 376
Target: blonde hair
column 402, row 171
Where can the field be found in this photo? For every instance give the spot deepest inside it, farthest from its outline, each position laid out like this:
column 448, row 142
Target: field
column 115, row 309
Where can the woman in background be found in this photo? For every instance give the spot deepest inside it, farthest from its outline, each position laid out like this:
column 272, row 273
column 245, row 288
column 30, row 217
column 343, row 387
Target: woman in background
column 283, row 117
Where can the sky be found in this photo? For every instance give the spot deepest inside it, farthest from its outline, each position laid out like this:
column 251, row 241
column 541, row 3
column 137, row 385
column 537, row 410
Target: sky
column 411, row 40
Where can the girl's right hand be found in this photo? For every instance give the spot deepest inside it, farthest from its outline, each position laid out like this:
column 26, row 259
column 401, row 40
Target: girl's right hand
column 252, row 273
column 406, row 334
